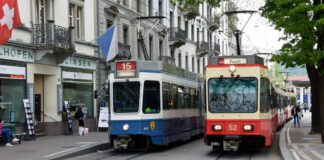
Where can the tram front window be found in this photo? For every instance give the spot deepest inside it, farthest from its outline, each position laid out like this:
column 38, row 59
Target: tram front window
column 126, row 97
column 232, row 95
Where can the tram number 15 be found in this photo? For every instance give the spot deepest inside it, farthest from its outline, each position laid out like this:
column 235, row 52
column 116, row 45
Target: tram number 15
column 126, row 66
column 232, row 127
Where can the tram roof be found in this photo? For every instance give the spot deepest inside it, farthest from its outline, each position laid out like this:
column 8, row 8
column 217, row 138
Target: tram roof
column 242, row 59
column 159, row 66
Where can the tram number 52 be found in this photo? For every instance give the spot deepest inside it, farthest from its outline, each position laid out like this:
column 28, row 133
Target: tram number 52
column 232, row 127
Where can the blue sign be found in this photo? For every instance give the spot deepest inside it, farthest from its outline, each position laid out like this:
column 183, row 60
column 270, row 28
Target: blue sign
column 305, row 98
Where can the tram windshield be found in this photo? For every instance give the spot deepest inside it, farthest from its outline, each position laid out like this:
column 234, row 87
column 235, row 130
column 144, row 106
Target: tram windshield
column 232, row 95
column 126, row 97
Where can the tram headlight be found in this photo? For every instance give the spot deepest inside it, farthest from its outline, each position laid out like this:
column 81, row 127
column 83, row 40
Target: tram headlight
column 232, row 69
column 248, row 127
column 125, row 127
column 217, row 127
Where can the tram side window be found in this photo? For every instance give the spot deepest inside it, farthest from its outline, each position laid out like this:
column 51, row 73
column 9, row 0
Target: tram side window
column 192, row 98
column 273, row 98
column 264, row 96
column 186, row 98
column 151, row 97
column 166, row 96
column 181, row 103
column 174, row 96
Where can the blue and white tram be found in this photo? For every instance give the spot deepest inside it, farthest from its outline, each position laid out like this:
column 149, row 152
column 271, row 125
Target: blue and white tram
column 153, row 103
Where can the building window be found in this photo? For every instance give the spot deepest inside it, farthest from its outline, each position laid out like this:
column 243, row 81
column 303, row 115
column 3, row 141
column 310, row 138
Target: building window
column 125, row 4
column 125, row 35
column 137, row 6
column 198, row 65
column 109, row 23
column 187, row 66
column 150, row 8
column 192, row 32
column 161, row 9
column 193, row 64
column 138, row 47
column 179, row 59
column 151, row 47
column 41, row 11
column 75, row 19
column 171, row 19
column 179, row 22
column 160, row 47
column 187, row 29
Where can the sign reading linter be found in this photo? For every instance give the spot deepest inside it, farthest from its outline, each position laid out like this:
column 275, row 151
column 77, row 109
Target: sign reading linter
column 16, row 53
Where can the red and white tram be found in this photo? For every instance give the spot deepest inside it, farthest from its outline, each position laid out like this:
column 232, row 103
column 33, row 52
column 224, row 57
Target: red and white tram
column 241, row 104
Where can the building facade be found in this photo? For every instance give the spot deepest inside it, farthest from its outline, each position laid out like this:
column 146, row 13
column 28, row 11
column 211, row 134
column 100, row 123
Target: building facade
column 50, row 58
column 185, row 37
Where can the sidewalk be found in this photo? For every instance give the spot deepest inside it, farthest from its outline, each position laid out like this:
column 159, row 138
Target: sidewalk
column 55, row 147
column 298, row 144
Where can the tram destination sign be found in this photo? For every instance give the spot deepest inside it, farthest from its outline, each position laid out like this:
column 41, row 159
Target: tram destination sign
column 125, row 69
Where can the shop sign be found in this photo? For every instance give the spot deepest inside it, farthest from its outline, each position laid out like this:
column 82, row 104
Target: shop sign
column 12, row 72
column 76, row 62
column 77, row 76
column 16, row 53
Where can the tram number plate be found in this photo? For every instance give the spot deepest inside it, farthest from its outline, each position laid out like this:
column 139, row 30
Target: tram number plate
column 232, row 127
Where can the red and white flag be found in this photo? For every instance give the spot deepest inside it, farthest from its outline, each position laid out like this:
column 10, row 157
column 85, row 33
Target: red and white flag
column 9, row 19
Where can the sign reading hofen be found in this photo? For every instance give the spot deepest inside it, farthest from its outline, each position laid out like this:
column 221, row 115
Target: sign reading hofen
column 16, row 53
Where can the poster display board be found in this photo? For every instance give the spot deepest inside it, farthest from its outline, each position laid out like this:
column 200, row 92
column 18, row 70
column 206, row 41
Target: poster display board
column 29, row 118
column 68, row 115
column 103, row 118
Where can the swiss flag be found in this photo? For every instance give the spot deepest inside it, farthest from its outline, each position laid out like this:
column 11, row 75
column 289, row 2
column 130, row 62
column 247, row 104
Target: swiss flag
column 9, row 19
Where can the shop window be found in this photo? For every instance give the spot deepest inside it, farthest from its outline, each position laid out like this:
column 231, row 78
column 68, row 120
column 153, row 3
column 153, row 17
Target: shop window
column 12, row 93
column 79, row 94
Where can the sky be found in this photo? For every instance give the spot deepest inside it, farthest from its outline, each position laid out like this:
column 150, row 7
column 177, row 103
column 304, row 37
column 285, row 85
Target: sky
column 258, row 34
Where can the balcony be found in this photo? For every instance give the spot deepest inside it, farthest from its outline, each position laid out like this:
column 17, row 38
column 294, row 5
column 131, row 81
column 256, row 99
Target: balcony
column 167, row 59
column 177, row 37
column 213, row 23
column 191, row 13
column 52, row 39
column 202, row 48
column 215, row 49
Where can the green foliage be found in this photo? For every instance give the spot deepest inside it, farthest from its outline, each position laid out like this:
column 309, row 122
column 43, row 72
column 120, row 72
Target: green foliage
column 298, row 20
column 195, row 3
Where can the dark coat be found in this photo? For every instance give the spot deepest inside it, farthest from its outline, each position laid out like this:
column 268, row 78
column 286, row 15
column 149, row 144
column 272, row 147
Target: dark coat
column 295, row 110
column 79, row 114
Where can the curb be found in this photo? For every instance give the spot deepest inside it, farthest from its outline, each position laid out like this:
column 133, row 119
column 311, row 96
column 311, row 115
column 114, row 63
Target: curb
column 284, row 151
column 83, row 151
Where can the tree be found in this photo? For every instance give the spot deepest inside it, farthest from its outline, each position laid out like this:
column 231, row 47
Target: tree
column 302, row 22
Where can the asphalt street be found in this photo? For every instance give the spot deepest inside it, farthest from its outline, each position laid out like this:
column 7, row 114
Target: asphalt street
column 191, row 150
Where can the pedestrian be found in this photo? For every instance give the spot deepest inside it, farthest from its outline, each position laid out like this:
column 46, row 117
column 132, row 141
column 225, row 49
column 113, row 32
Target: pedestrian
column 7, row 133
column 79, row 115
column 295, row 111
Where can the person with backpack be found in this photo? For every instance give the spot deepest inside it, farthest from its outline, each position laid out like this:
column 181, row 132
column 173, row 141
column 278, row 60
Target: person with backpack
column 295, row 112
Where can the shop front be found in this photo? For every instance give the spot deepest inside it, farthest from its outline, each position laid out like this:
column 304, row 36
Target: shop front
column 13, row 77
column 78, row 86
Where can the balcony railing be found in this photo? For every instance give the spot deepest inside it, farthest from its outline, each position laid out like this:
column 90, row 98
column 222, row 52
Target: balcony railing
column 191, row 13
column 202, row 46
column 215, row 49
column 167, row 59
column 213, row 23
column 177, row 37
column 52, row 36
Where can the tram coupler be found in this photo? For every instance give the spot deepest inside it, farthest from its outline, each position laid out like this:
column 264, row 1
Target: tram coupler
column 123, row 142
column 231, row 143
